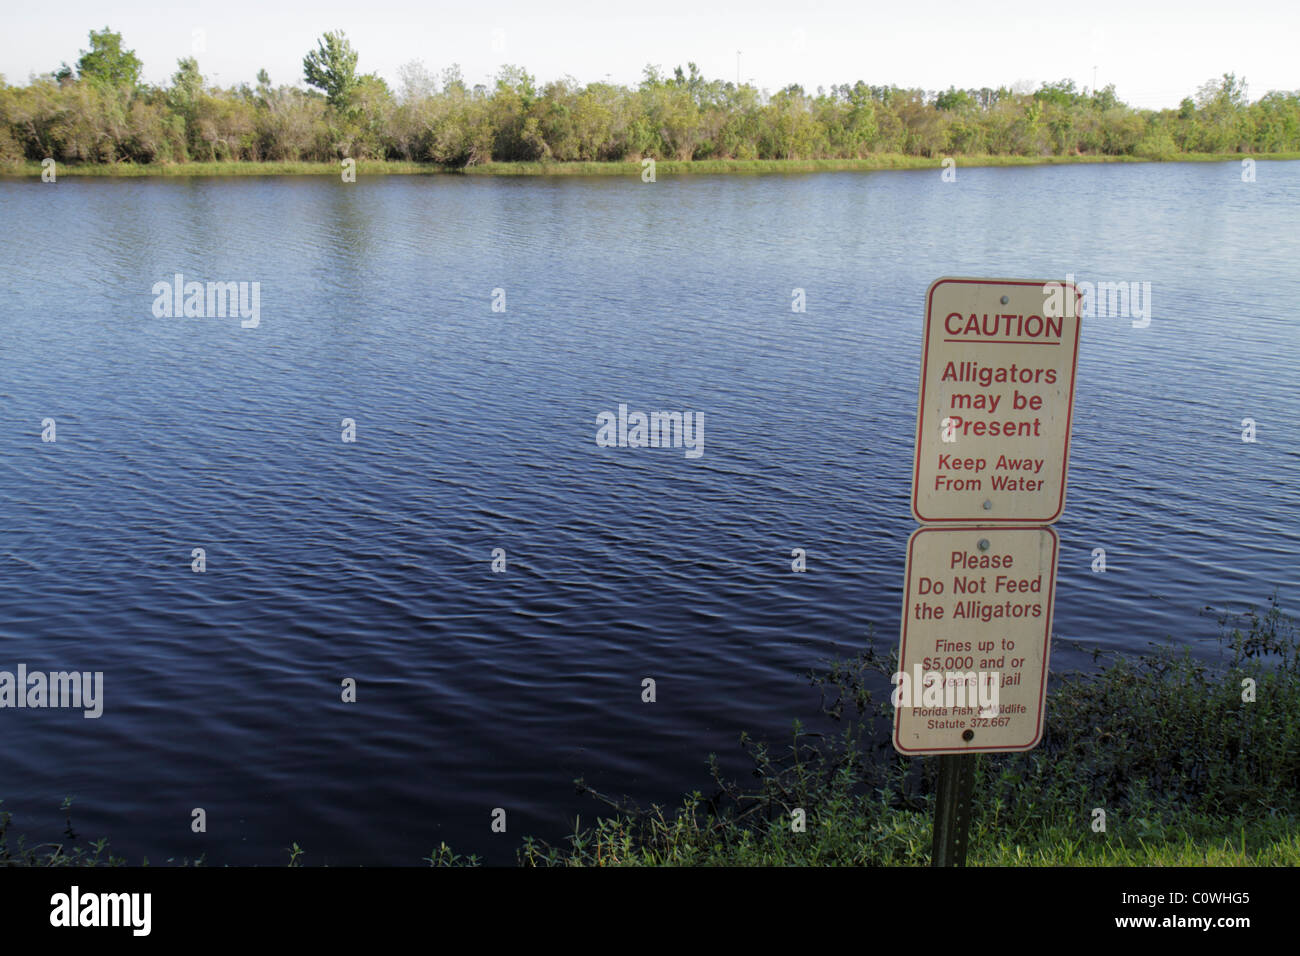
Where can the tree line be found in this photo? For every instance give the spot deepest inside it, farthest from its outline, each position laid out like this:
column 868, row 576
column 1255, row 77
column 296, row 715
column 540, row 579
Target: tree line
column 99, row 111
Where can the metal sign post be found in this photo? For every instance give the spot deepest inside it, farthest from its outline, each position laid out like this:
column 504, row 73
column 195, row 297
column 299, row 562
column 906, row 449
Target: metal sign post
column 952, row 809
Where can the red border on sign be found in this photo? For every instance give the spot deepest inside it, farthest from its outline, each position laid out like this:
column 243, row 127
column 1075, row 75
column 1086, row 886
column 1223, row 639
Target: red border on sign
column 1047, row 641
column 920, row 408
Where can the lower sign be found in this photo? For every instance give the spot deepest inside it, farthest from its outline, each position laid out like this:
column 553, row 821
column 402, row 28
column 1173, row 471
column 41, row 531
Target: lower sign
column 977, row 628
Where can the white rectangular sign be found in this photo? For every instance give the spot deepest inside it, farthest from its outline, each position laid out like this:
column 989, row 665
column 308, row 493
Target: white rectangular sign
column 996, row 396
column 976, row 636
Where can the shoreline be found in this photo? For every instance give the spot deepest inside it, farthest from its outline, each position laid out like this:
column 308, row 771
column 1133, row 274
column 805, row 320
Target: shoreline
column 880, row 162
column 1158, row 759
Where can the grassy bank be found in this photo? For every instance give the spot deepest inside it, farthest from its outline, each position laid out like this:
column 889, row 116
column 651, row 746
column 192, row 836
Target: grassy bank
column 1187, row 772
column 630, row 169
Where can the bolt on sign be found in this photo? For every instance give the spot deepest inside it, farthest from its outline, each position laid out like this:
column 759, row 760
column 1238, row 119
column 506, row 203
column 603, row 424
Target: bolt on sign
column 977, row 626
column 997, row 390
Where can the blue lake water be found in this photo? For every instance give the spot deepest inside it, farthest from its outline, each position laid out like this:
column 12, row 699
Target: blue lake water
column 476, row 430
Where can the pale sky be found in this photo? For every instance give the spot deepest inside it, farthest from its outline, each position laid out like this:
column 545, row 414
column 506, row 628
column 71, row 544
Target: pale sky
column 1154, row 51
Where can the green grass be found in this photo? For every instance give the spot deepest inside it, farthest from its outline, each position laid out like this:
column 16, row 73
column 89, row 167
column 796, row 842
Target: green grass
column 630, row 169
column 167, row 170
column 844, row 831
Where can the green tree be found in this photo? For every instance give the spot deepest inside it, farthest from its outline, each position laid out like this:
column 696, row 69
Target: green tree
column 516, row 129
column 1105, row 99
column 332, row 68
column 1277, row 121
column 953, row 99
column 1221, row 120
column 1060, row 93
column 370, row 117
column 1226, row 94
column 107, row 62
column 184, row 95
column 187, row 83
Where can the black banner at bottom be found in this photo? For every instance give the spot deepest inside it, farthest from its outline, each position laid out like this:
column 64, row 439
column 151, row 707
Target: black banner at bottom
column 307, row 905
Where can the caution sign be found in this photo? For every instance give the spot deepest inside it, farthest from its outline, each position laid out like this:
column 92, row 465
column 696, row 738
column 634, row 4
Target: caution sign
column 977, row 625
column 996, row 396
